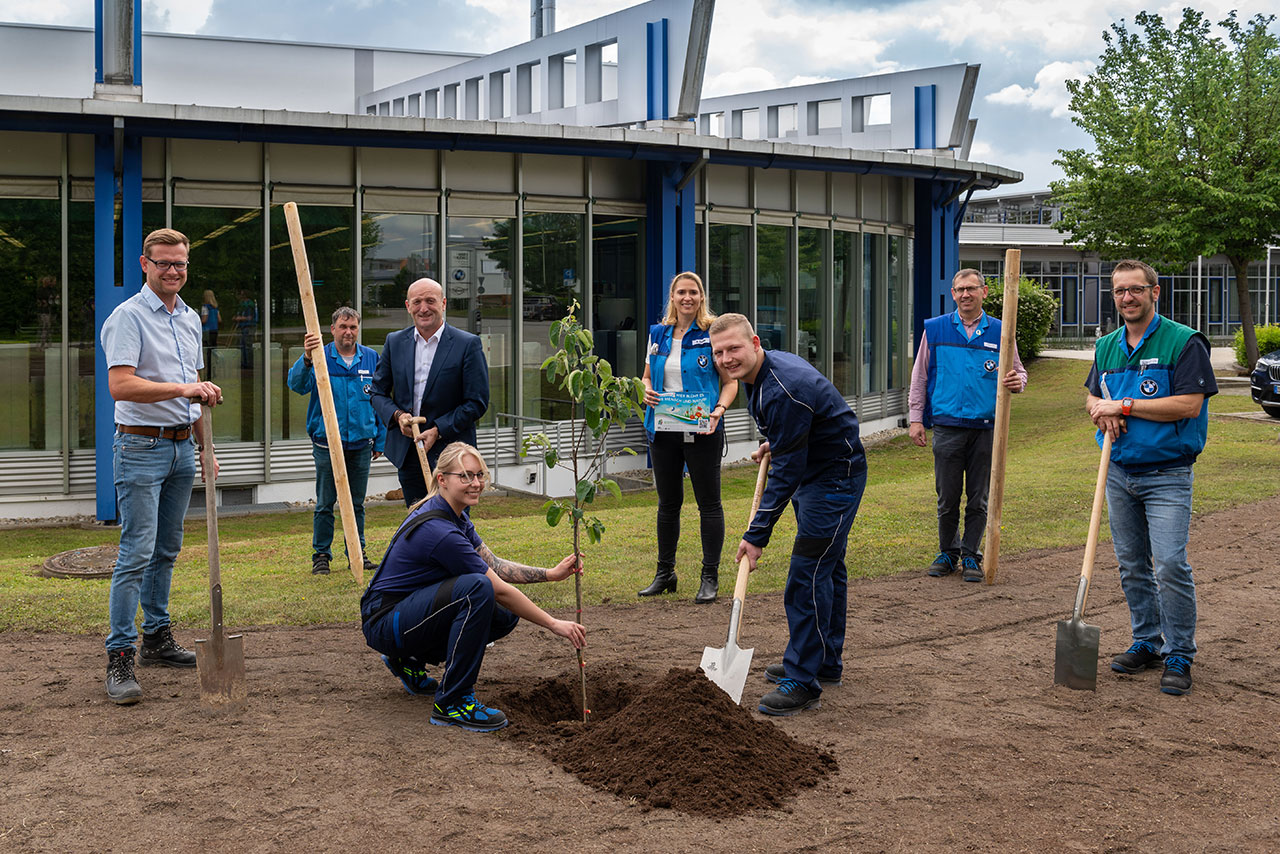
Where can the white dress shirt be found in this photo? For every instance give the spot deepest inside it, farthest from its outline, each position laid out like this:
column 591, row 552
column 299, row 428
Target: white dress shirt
column 424, row 353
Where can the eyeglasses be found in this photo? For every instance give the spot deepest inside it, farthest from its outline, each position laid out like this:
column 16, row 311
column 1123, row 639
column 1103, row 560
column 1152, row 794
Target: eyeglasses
column 163, row 266
column 1136, row 290
column 968, row 290
column 469, row 477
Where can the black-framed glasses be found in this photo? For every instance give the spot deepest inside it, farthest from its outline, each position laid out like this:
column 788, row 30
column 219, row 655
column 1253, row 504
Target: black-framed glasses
column 163, row 266
column 469, row 477
column 1136, row 290
column 968, row 289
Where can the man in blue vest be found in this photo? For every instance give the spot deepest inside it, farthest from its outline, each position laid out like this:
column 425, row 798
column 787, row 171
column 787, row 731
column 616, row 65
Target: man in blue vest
column 351, row 366
column 953, row 391
column 1149, row 388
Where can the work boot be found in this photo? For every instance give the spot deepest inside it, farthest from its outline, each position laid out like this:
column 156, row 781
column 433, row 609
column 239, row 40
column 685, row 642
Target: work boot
column 778, row 671
column 942, row 565
column 789, row 698
column 1137, row 658
column 412, row 676
column 664, row 581
column 370, row 566
column 709, row 587
column 319, row 564
column 161, row 648
column 122, row 688
column 470, row 714
column 971, row 569
column 1177, row 675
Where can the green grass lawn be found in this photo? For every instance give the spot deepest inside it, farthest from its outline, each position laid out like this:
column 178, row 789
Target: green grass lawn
column 266, row 559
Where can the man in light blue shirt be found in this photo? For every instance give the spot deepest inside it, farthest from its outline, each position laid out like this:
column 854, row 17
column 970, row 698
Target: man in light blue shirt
column 152, row 343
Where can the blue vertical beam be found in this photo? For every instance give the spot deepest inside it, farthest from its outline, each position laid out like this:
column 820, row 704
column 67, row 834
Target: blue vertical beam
column 105, row 300
column 686, row 229
column 661, row 239
column 936, row 251
column 131, row 216
column 926, row 116
column 97, row 41
column 137, row 44
column 656, row 33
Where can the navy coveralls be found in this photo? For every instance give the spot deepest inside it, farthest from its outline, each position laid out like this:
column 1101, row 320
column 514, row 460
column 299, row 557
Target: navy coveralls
column 431, row 601
column 820, row 467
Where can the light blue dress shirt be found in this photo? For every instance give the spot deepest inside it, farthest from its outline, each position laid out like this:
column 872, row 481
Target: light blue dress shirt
column 162, row 347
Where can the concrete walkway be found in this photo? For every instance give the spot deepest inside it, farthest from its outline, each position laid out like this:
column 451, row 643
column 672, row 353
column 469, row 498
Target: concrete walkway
column 1223, row 358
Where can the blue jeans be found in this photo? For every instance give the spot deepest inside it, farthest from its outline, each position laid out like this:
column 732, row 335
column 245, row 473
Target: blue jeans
column 1150, row 518
column 153, row 480
column 358, row 460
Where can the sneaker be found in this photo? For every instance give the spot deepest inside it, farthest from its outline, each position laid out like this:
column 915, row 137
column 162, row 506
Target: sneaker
column 1137, row 658
column 161, row 648
column 470, row 714
column 122, row 688
column 942, row 565
column 777, row 672
column 319, row 564
column 1177, row 675
column 414, row 679
column 789, row 698
column 971, row 569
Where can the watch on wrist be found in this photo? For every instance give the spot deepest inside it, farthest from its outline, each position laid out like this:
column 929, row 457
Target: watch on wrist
column 1126, row 406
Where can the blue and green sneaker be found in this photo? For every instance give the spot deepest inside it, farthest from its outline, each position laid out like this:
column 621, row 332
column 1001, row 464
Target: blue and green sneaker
column 412, row 676
column 470, row 714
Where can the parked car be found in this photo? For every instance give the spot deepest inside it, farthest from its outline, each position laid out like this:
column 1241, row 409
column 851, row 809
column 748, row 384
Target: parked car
column 1264, row 383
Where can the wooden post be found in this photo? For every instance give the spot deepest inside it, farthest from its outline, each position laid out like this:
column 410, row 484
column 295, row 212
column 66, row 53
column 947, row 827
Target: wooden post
column 355, row 555
column 1000, row 441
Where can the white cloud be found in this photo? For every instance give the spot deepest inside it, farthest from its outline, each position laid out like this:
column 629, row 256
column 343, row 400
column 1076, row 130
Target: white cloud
column 750, row 79
column 1050, row 89
column 176, row 16
column 60, row 12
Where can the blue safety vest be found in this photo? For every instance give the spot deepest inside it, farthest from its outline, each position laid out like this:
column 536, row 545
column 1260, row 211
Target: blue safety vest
column 963, row 372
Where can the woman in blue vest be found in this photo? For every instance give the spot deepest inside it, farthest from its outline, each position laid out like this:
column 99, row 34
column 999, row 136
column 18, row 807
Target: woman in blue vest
column 441, row 595
column 680, row 361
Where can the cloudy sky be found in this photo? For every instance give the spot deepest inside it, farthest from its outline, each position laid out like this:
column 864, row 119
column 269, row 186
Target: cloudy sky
column 1027, row 48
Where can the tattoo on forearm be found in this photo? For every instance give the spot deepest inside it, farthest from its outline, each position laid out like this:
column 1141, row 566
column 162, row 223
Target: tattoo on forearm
column 510, row 571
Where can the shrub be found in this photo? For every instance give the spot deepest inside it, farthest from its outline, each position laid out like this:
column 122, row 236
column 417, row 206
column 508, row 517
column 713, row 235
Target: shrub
column 1037, row 309
column 1268, row 340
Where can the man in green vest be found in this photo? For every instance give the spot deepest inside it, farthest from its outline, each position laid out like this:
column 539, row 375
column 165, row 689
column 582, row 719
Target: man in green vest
column 1149, row 389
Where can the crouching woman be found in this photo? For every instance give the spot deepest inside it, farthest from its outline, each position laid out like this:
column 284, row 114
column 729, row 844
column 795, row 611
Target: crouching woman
column 440, row 595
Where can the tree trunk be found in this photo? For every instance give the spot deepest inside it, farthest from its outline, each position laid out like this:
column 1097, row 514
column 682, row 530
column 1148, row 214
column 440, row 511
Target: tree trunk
column 1241, row 267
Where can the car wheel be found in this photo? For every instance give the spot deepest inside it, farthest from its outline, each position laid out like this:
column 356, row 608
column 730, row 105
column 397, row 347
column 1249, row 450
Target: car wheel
column 1273, row 411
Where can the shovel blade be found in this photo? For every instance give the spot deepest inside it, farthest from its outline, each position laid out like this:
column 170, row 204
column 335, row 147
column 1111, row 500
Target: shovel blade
column 728, row 667
column 221, row 669
column 1075, row 661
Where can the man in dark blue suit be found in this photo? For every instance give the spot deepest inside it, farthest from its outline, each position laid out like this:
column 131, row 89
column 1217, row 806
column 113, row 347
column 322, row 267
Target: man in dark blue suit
column 433, row 370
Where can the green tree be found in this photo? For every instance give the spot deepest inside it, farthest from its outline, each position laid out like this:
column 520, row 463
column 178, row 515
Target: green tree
column 1187, row 158
column 1036, row 310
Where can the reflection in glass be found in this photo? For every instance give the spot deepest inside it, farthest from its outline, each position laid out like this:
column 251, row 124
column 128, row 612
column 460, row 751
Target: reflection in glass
column 812, row 249
column 845, row 345
column 773, row 262
column 617, row 246
column 398, row 249
column 728, row 276
column 872, row 281
column 895, row 291
column 479, row 259
column 552, row 281
column 327, row 232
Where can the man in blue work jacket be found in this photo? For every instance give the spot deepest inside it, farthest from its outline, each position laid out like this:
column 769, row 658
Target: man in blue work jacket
column 818, row 465
column 351, row 367
column 953, row 391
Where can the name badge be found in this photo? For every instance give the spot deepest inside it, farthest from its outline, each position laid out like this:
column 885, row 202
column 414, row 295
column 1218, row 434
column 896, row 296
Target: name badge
column 990, row 345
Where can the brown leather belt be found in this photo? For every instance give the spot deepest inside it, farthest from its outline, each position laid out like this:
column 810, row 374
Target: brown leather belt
column 175, row 433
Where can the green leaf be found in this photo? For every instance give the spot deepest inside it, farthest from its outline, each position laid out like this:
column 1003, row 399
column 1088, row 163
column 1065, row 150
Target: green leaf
column 551, row 458
column 554, row 512
column 586, row 492
column 611, row 485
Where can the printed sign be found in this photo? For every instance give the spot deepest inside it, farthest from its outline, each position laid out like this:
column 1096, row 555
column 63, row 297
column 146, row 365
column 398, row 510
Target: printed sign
column 683, row 412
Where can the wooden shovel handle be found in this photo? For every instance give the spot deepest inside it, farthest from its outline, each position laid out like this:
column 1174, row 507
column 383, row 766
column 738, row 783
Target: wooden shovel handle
column 422, row 452
column 744, row 565
column 1095, row 519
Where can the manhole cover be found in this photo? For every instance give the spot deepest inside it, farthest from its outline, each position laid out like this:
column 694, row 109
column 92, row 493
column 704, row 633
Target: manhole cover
column 93, row 562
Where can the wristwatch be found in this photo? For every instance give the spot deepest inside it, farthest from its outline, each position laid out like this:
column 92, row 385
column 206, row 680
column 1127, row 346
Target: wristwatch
column 1126, row 406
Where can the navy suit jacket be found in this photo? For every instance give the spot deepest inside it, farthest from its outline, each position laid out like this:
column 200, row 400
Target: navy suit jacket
column 454, row 398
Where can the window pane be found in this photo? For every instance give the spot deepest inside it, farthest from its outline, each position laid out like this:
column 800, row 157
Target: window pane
column 844, row 273
column 480, row 300
column 727, row 272
column 398, row 249
column 896, row 293
column 773, row 262
column 552, row 264
column 617, row 246
column 872, row 281
column 81, row 322
column 327, row 233
column 812, row 330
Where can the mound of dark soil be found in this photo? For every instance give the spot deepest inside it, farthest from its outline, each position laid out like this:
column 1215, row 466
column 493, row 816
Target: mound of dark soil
column 680, row 743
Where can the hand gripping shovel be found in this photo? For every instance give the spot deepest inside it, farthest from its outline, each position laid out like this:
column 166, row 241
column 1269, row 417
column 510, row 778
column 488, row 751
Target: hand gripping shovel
column 219, row 660
column 1075, row 662
column 418, row 436
column 729, row 665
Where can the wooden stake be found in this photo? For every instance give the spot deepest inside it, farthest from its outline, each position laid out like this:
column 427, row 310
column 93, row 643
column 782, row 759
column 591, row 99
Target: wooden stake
column 355, row 555
column 1000, row 441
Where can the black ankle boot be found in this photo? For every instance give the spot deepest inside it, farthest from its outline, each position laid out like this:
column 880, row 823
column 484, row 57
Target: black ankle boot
column 664, row 581
column 709, row 587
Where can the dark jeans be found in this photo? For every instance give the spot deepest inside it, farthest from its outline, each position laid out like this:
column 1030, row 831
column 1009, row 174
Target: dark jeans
column 961, row 460
column 670, row 453
column 357, row 460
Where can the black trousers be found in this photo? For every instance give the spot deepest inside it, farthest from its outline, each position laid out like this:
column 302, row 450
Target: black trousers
column 670, row 454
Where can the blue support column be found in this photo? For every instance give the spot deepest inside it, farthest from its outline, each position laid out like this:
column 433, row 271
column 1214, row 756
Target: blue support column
column 656, row 34
column 937, row 250
column 97, row 41
column 661, row 239
column 105, row 300
column 686, row 230
column 926, row 116
column 137, row 43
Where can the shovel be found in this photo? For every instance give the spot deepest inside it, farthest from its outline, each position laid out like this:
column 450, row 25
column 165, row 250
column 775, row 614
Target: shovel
column 729, row 665
column 418, row 436
column 1075, row 662
column 219, row 660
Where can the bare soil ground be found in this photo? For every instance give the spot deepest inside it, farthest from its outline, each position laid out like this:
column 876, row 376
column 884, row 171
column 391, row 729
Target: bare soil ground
column 947, row 735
